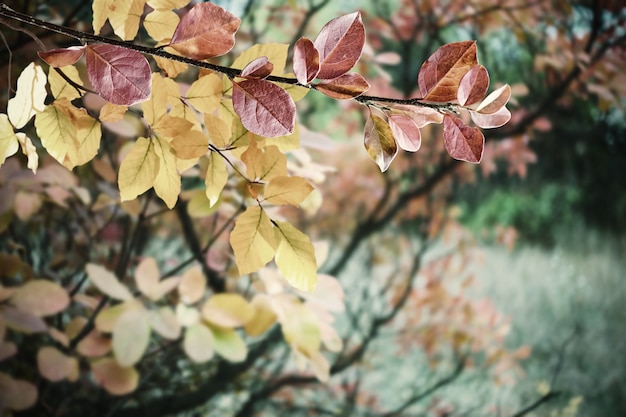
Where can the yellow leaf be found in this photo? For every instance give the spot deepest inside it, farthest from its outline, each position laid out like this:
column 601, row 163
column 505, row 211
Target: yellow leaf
column 190, row 145
column 286, row 143
column 199, row 205
column 295, row 257
column 287, row 190
column 296, row 92
column 167, row 182
column 183, row 111
column 9, row 143
column 61, row 88
column 170, row 67
column 116, row 379
column 147, row 277
column 192, row 286
column 216, row 178
column 275, row 52
column 219, row 131
column 138, row 170
column 124, row 17
column 264, row 164
column 198, row 343
column 227, row 310
column 264, row 316
column 205, row 93
column 156, row 106
column 131, row 336
column 167, row 4
column 58, row 134
column 28, row 149
column 164, row 322
column 29, row 97
column 107, row 282
column 88, row 135
column 170, row 126
column 252, row 240
column 112, row 112
column 229, row 345
column 105, row 321
column 300, row 327
column 161, row 24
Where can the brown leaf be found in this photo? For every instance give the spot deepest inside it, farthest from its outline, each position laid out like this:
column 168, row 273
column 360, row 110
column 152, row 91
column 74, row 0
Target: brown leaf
column 462, row 142
column 473, row 86
column 306, row 61
column 258, row 68
column 344, row 87
column 206, row 31
column 440, row 75
column 340, row 43
column 119, row 75
column 406, row 132
column 379, row 142
column 61, row 57
column 264, row 108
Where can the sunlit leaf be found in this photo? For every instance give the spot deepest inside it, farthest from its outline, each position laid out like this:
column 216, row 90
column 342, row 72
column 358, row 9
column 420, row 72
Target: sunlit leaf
column 492, row 120
column 167, row 4
column 170, row 126
column 252, row 240
column 276, row 53
column 8, row 140
column 205, row 93
column 264, row 108
column 219, row 131
column 167, row 183
column 306, row 61
column 473, row 86
column 263, row 318
column 161, row 24
column 287, row 190
column 29, row 97
column 216, row 177
column 60, row 88
column 340, row 43
column 198, row 343
column 190, row 145
column 120, row 75
column 206, row 31
column 405, row 131
column 105, row 321
column 301, row 329
column 344, row 87
column 258, row 68
column 41, row 298
column 114, row 378
column 379, row 142
column 192, row 285
column 61, row 57
column 138, row 170
column 156, row 105
column 495, row 101
column 441, row 73
column 227, row 310
column 229, row 344
column 131, row 336
column 295, row 257
column 107, row 282
column 266, row 163
column 462, row 142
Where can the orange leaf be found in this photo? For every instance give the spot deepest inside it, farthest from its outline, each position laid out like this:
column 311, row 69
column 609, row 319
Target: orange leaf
column 344, row 87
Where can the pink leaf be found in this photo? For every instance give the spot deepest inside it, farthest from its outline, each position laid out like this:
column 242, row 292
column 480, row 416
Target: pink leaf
column 495, row 101
column 306, row 61
column 379, row 142
column 473, row 86
column 258, row 68
column 206, row 31
column 490, row 121
column 344, row 87
column 61, row 57
column 440, row 75
column 421, row 115
column 265, row 109
column 340, row 43
column 406, row 132
column 121, row 76
column 462, row 142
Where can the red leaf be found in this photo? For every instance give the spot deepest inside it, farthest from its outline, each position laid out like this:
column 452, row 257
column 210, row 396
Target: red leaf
column 306, row 60
column 121, row 76
column 258, row 68
column 462, row 142
column 406, row 132
column 495, row 101
column 490, row 121
column 440, row 75
column 379, row 142
column 265, row 109
column 344, row 87
column 473, row 86
column 62, row 56
column 340, row 43
column 206, row 31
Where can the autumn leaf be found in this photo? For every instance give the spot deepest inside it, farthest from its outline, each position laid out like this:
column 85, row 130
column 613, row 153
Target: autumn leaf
column 205, row 93
column 258, row 68
column 264, row 164
column 54, row 365
column 16, row 394
column 339, row 44
column 41, row 298
column 123, row 15
column 28, row 149
column 229, row 344
column 441, row 73
column 295, row 257
column 492, row 120
column 405, row 131
column 164, row 322
column 8, row 140
column 161, row 24
column 148, row 280
column 263, row 318
column 120, row 75
column 206, row 31
column 344, row 87
column 61, row 57
column 138, row 170
column 306, row 61
column 216, row 178
column 131, row 336
column 473, row 86
column 287, row 190
column 60, row 88
column 192, row 285
column 379, row 142
column 252, row 240
column 114, row 378
column 276, row 53
column 301, row 329
column 107, row 283
column 264, row 108
column 29, row 97
column 167, row 182
column 227, row 310
column 190, row 145
column 495, row 101
column 156, row 106
column 461, row 141
column 198, row 343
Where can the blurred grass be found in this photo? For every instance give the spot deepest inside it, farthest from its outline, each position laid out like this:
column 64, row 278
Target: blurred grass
column 575, row 288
